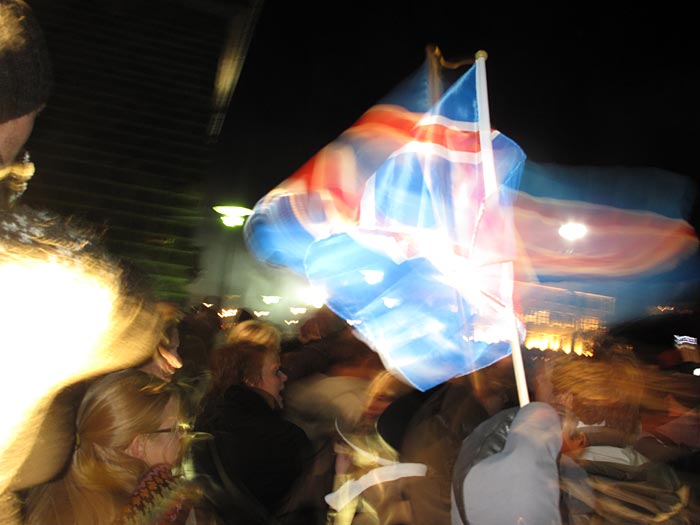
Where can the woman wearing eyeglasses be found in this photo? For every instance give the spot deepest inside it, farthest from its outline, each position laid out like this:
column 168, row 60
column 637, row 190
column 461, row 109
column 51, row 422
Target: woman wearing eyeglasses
column 129, row 438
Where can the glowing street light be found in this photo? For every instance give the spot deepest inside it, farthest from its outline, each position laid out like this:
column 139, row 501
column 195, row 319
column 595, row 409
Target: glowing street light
column 573, row 231
column 233, row 216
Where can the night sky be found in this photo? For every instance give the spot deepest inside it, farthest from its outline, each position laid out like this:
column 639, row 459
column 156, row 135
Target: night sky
column 572, row 85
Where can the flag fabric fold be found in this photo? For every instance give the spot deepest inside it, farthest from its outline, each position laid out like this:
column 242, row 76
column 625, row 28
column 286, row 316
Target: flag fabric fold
column 395, row 221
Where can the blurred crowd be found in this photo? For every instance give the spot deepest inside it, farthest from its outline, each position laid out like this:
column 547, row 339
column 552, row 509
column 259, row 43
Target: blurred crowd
column 135, row 411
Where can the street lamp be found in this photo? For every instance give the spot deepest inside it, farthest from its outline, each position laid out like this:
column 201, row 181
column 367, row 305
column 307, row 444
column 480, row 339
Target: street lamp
column 232, row 217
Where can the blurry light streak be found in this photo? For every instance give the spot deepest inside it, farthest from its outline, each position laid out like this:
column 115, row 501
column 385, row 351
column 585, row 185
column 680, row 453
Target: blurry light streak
column 354, row 322
column 297, row 310
column 665, row 308
column 573, row 231
column 207, row 305
column 554, row 343
column 271, row 299
column 261, row 313
column 291, row 321
column 228, row 312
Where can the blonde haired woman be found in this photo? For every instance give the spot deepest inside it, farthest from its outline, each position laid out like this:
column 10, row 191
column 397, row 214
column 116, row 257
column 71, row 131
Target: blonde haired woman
column 128, row 439
column 255, row 331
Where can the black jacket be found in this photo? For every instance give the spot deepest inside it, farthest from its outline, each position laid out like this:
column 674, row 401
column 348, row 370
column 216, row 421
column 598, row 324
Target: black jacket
column 258, row 448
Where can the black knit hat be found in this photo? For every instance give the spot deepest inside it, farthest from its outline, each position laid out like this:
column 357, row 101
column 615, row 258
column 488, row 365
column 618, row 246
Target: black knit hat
column 25, row 69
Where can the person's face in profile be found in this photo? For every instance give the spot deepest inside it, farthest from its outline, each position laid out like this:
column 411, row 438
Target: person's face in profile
column 272, row 378
column 164, row 444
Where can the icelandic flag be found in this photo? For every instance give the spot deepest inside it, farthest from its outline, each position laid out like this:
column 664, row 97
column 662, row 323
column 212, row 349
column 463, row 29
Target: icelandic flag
column 400, row 221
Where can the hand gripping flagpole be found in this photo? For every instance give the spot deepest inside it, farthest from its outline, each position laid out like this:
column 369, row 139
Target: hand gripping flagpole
column 490, row 186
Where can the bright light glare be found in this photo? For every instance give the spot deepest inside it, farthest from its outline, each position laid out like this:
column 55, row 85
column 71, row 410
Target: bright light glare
column 696, row 371
column 232, row 222
column 572, row 231
column 233, row 211
column 297, row 310
column 271, row 299
column 315, row 297
column 261, row 313
column 372, row 276
column 39, row 338
column 233, row 216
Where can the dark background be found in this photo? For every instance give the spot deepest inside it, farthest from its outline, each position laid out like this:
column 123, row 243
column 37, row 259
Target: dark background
column 577, row 84
column 126, row 140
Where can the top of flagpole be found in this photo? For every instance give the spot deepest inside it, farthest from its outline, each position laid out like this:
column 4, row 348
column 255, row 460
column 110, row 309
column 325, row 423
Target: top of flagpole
column 481, row 54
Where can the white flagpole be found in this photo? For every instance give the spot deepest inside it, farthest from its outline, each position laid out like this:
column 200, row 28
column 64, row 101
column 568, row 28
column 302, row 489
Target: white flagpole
column 490, row 186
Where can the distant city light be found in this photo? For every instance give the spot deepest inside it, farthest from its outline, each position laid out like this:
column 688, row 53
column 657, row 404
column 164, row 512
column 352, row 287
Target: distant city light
column 228, row 312
column 572, row 231
column 271, row 299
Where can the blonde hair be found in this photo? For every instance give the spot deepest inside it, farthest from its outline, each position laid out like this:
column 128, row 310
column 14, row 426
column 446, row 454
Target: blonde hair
column 102, row 475
column 255, row 331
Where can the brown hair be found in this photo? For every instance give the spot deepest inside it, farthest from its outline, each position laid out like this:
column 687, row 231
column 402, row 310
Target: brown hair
column 237, row 364
column 608, row 389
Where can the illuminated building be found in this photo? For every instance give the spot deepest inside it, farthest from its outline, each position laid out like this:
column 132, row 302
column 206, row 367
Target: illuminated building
column 563, row 320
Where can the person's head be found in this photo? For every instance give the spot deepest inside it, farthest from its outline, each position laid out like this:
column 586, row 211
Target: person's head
column 607, row 389
column 129, row 415
column 25, row 82
column 127, row 422
column 256, row 331
column 384, row 389
column 166, row 358
column 321, row 324
column 203, row 323
column 493, row 386
column 248, row 364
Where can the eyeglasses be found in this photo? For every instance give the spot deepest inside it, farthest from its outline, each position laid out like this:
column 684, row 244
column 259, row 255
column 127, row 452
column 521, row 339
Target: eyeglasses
column 181, row 430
